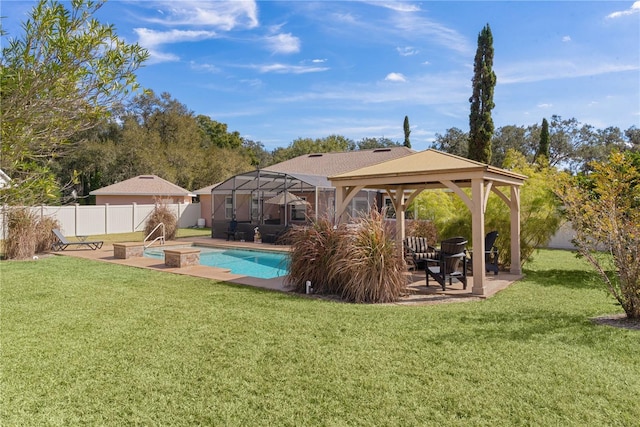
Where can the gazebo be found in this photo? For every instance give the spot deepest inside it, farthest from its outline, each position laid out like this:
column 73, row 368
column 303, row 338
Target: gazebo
column 404, row 178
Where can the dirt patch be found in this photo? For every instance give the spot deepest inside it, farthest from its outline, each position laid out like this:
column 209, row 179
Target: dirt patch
column 618, row 321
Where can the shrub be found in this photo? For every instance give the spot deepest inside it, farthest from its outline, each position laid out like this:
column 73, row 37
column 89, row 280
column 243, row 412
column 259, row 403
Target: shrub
column 422, row 228
column 604, row 209
column 359, row 263
column 368, row 263
column 312, row 252
column 44, row 234
column 161, row 214
column 21, row 240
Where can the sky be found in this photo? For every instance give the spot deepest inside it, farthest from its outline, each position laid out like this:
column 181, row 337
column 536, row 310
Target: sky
column 275, row 71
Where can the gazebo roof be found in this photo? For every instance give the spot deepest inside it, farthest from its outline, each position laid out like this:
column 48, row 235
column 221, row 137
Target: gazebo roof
column 424, row 168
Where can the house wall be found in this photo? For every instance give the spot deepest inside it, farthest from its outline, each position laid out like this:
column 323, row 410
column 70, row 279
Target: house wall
column 127, row 200
column 205, row 209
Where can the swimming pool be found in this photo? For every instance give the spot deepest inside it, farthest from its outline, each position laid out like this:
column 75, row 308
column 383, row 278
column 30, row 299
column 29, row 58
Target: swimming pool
column 261, row 264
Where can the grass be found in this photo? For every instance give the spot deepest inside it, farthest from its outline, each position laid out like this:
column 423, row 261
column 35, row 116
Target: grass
column 89, row 343
column 136, row 236
column 139, row 235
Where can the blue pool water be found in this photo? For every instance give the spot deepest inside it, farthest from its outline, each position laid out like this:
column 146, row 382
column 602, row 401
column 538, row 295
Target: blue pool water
column 261, row 264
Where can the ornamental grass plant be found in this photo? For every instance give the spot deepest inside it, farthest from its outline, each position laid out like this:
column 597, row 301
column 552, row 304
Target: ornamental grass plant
column 368, row 264
column 28, row 235
column 313, row 250
column 161, row 214
column 359, row 263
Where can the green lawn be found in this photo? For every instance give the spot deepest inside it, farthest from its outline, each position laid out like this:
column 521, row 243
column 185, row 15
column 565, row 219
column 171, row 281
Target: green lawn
column 90, row 343
column 139, row 235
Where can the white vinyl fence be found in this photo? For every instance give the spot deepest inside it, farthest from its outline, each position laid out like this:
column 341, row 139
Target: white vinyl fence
column 76, row 220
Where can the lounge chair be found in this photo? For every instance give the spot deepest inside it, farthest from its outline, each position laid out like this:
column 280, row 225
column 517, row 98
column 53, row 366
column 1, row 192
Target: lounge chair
column 63, row 243
column 417, row 251
column 450, row 263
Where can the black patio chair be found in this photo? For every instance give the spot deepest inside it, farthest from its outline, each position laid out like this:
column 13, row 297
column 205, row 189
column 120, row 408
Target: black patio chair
column 450, row 263
column 232, row 230
column 490, row 254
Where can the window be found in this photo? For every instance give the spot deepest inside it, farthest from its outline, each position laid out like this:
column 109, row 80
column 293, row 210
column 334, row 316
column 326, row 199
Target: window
column 298, row 212
column 228, row 207
column 254, row 208
column 360, row 206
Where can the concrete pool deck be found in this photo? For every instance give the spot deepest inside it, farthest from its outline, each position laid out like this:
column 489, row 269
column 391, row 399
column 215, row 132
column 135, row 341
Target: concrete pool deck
column 418, row 292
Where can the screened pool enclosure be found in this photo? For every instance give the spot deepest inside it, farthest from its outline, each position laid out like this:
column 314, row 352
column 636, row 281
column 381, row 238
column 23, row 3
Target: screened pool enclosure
column 273, row 200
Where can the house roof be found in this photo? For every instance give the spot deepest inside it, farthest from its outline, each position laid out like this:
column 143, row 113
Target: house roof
column 206, row 190
column 143, row 185
column 328, row 164
column 306, row 172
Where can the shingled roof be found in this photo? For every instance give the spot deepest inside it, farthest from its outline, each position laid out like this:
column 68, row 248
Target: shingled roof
column 143, row 185
column 329, row 164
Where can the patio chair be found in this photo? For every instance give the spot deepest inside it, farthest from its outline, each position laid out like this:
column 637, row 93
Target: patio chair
column 277, row 238
column 417, row 251
column 490, row 254
column 450, row 263
column 232, row 230
column 63, row 243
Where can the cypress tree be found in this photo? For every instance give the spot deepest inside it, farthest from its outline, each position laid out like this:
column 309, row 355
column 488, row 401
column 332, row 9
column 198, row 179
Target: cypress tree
column 484, row 81
column 543, row 148
column 407, row 131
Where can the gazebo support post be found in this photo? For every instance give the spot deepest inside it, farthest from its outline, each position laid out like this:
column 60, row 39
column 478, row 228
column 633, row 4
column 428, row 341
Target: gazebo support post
column 399, row 206
column 477, row 235
column 515, row 230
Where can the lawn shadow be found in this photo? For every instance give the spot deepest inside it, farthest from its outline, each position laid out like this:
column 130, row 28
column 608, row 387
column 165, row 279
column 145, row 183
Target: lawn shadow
column 522, row 326
column 571, row 279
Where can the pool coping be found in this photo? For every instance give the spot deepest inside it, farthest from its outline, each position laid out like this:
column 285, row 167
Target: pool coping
column 209, row 244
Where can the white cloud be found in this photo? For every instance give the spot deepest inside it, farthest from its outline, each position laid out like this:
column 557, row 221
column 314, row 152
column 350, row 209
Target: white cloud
column 545, row 105
column 208, row 68
column 395, row 77
column 407, row 51
column 397, row 6
column 283, row 43
column 635, row 8
column 151, row 40
column 224, row 16
column 288, row 69
column 319, row 61
column 554, row 70
column 431, row 89
column 424, row 28
column 566, row 39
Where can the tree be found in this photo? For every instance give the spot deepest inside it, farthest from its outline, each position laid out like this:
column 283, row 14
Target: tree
column 543, row 147
column 373, row 143
column 511, row 137
column 454, row 141
column 215, row 133
column 633, row 137
column 604, row 210
column 302, row 146
column 407, row 131
column 58, row 79
column 484, row 82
